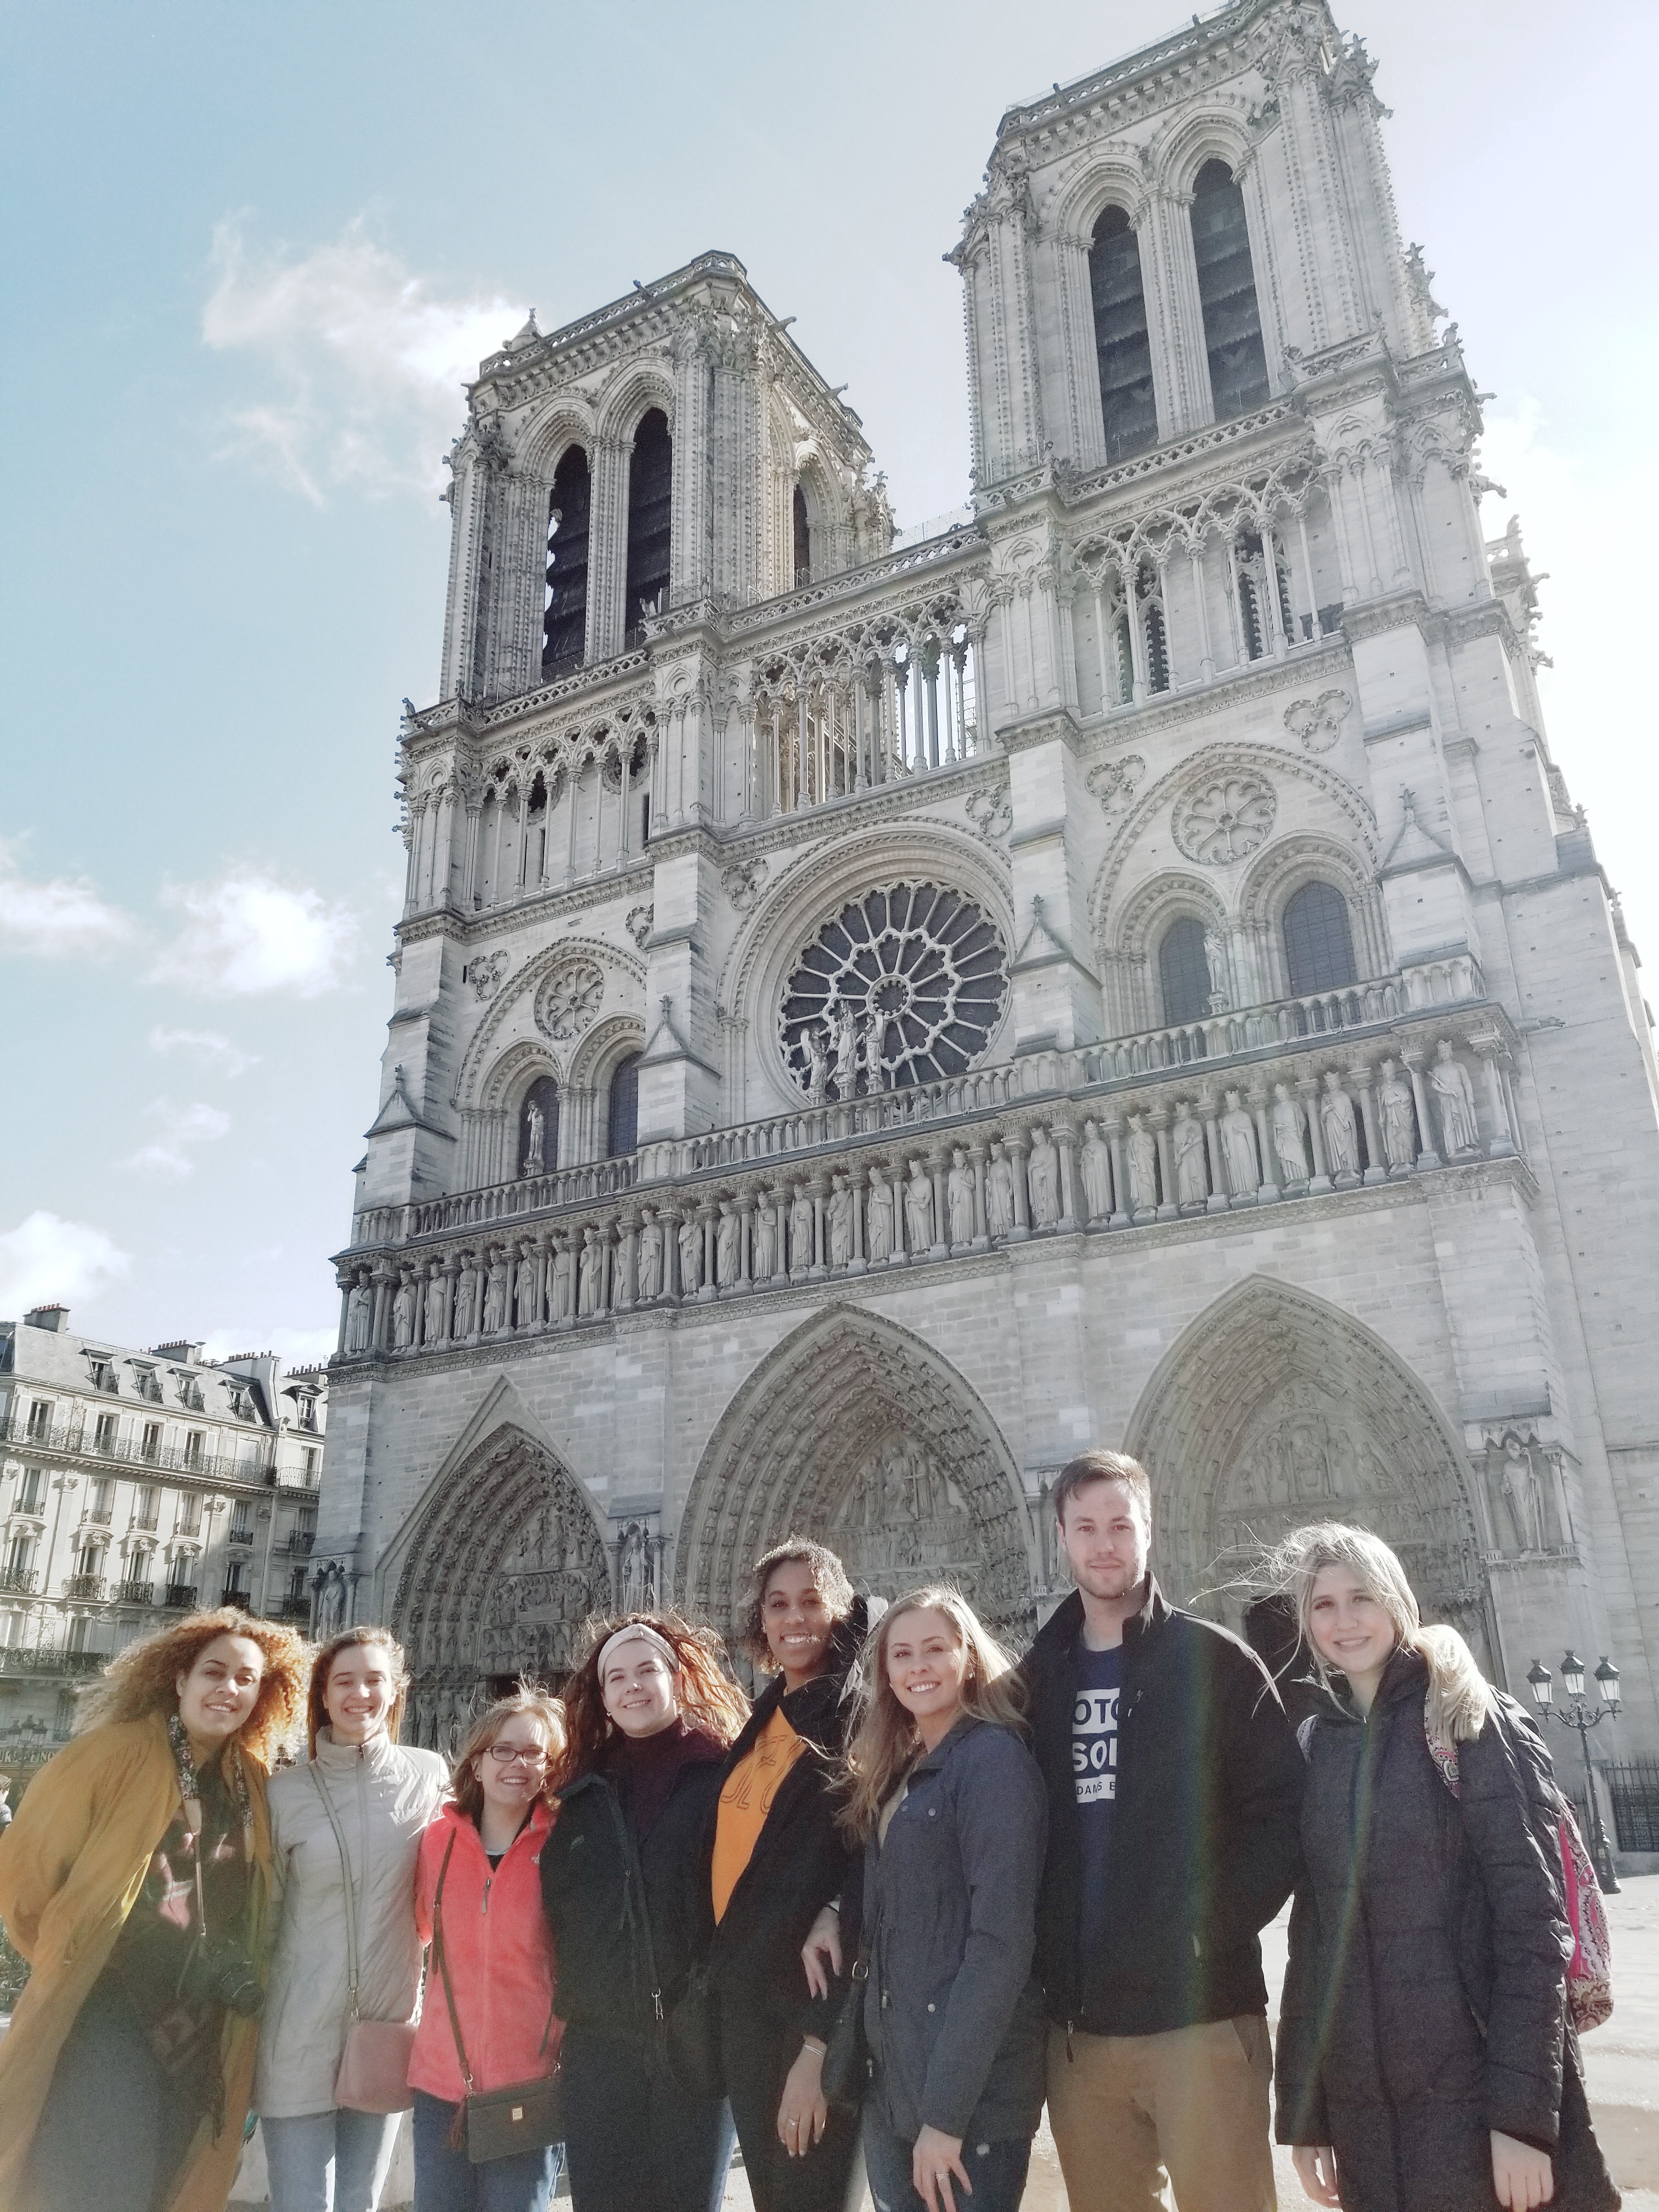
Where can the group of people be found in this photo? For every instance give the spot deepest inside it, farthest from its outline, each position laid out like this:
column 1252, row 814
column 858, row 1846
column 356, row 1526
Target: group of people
column 868, row 1926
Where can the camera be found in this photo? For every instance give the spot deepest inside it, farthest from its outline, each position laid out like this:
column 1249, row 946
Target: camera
column 224, row 1973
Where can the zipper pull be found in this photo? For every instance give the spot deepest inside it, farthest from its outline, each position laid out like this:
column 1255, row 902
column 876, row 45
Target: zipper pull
column 656, row 2000
column 1070, row 2055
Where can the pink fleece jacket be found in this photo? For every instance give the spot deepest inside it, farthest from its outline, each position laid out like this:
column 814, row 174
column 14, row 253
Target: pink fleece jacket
column 501, row 1957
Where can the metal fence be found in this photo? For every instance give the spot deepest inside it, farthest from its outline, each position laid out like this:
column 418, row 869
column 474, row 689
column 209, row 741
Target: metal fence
column 1633, row 1786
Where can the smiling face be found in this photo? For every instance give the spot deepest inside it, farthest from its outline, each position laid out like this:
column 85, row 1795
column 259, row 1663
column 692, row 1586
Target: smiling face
column 512, row 1770
column 641, row 1691
column 928, row 1666
column 1351, row 1631
column 797, row 1623
column 221, row 1689
column 1106, row 1539
column 360, row 1693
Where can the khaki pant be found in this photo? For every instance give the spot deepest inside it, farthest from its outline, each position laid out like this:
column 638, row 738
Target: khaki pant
column 1124, row 2108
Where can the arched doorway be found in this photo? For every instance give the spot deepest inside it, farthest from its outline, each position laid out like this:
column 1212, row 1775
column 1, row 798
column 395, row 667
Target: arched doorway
column 1276, row 1408
column 501, row 1571
column 854, row 1431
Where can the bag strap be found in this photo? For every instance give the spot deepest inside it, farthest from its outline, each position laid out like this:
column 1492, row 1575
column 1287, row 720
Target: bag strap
column 345, row 1876
column 443, row 1965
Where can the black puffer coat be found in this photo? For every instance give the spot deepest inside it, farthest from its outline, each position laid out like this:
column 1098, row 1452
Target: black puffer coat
column 1424, row 2004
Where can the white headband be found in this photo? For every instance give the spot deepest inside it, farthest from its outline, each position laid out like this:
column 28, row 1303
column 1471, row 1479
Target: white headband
column 638, row 1630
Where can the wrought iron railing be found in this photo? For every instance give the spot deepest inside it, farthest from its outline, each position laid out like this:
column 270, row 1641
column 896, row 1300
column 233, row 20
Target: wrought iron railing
column 86, row 1586
column 67, row 1439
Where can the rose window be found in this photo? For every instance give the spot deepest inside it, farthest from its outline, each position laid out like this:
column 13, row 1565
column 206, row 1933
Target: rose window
column 905, row 986
column 568, row 1005
column 1218, row 821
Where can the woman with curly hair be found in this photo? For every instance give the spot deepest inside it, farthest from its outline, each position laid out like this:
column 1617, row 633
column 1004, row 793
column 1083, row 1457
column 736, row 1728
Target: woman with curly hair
column 346, row 1826
column 135, row 1880
column 775, row 1857
column 650, row 1714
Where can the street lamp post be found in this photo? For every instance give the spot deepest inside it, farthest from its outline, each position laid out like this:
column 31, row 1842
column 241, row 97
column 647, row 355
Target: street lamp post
column 1578, row 1714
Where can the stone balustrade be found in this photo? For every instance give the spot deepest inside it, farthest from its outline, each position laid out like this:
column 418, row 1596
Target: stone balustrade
column 1302, row 1099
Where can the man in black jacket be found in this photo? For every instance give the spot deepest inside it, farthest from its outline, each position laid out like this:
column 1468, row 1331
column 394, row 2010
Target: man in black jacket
column 1174, row 1786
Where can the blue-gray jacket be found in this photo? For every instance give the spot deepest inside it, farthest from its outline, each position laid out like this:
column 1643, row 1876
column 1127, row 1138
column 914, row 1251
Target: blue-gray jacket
column 952, row 2011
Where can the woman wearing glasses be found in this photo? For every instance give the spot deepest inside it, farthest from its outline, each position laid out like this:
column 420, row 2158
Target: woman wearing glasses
column 488, row 2021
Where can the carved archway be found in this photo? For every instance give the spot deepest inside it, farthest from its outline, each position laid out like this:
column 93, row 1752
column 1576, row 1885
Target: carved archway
column 854, row 1431
column 1275, row 1408
column 505, row 1564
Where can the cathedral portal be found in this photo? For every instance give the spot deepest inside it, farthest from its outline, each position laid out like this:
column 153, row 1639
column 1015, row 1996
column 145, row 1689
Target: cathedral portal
column 856, row 1432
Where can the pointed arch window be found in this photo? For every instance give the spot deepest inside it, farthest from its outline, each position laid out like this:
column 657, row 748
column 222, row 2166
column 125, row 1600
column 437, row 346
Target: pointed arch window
column 803, row 540
column 1318, row 941
column 650, row 478
column 1226, row 291
column 539, row 1146
column 623, row 1119
column 1128, row 410
column 564, row 621
column 1183, row 971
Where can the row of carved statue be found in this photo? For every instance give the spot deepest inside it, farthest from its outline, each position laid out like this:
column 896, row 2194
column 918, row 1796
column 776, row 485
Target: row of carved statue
column 1130, row 1165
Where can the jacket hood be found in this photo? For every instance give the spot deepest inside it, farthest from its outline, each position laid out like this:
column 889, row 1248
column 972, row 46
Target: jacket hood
column 380, row 1751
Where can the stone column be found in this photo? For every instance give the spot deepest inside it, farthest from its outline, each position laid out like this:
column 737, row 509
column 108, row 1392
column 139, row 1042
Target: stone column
column 901, row 1242
column 1160, row 1118
column 1308, row 1091
column 937, row 1171
column 1257, row 1101
column 746, row 1238
column 669, row 1216
column 628, row 1285
column 976, row 1162
column 1112, row 1124
column 1019, row 1144
column 705, row 1215
column 1066, row 1139
column 820, row 1264
column 1217, row 1202
column 380, row 1319
column 1412, row 1058
column 1359, row 1074
column 1502, row 1145
column 856, row 1179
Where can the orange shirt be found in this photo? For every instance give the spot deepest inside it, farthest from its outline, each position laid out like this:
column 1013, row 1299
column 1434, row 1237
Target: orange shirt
column 745, row 1802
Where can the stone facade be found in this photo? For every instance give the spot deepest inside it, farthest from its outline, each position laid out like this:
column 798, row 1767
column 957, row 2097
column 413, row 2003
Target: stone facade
column 133, row 1485
column 1120, row 966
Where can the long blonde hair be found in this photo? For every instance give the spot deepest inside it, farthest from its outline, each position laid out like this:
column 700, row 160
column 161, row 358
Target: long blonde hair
column 1460, row 1698
column 885, row 1741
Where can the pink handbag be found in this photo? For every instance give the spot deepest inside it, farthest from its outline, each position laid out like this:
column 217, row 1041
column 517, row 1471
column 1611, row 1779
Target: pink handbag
column 373, row 2072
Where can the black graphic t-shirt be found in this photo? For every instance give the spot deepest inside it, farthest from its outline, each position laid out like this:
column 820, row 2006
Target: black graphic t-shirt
column 1098, row 1676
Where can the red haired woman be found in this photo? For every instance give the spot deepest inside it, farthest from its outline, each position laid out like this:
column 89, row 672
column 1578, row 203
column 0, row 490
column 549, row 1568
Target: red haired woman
column 650, row 1716
column 135, row 1880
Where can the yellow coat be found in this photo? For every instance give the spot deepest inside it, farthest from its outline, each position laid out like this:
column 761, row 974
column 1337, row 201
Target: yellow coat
column 72, row 1866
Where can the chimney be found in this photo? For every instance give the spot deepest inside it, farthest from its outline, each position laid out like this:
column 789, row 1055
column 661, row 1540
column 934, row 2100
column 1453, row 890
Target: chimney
column 188, row 1354
column 54, row 1318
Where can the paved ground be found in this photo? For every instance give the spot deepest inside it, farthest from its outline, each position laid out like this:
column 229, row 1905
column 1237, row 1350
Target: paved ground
column 1622, row 2060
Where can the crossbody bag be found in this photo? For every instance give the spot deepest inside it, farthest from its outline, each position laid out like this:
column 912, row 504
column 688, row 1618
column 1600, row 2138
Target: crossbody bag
column 492, row 2123
column 373, row 2070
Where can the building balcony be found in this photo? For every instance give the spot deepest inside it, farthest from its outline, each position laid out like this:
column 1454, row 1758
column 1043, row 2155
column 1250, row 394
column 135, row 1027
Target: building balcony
column 180, row 1596
column 18, row 1582
column 50, row 1660
column 299, row 1542
column 134, row 1593
column 65, row 1441
column 1302, row 1099
column 86, row 1586
column 291, row 1608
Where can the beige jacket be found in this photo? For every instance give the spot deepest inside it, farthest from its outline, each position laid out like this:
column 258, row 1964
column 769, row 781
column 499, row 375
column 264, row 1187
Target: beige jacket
column 383, row 1796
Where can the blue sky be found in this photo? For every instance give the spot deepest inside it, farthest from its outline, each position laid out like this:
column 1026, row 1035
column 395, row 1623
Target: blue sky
column 248, row 255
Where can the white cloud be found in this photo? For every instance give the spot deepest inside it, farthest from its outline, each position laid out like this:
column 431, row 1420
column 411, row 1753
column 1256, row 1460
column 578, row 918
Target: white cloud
column 248, row 935
column 47, row 1257
column 62, row 917
column 177, row 1128
column 206, row 1047
column 368, row 361
column 295, row 1347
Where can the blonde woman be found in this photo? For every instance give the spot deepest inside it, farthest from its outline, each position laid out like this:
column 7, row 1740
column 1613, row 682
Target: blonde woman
column 477, row 1885
column 949, row 1808
column 1423, row 2062
column 135, row 1880
column 353, row 1813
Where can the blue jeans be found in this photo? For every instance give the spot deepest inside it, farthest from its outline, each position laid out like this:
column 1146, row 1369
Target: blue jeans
column 334, row 2161
column 447, row 2181
column 998, row 2170
column 637, row 2142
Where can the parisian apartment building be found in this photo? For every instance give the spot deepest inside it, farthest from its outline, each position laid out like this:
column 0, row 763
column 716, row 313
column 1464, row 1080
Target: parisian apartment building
column 136, row 1485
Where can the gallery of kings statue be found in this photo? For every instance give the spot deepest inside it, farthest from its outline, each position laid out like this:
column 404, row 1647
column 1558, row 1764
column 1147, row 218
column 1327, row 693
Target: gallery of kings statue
column 877, row 1012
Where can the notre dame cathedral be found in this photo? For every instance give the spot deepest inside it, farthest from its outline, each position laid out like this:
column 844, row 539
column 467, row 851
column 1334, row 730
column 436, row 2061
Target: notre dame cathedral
column 878, row 1012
